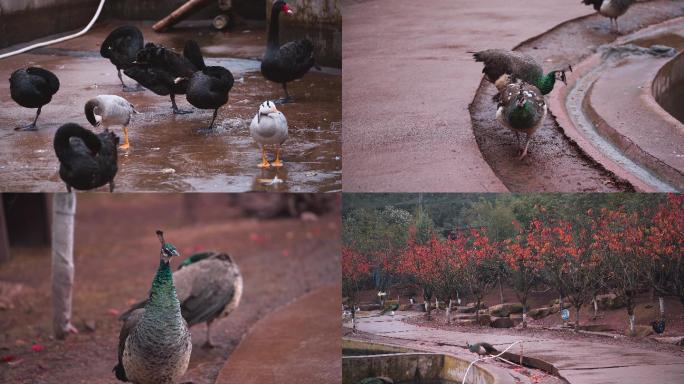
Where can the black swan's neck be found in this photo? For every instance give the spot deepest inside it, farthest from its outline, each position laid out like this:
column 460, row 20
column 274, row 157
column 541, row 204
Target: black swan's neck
column 274, row 30
column 68, row 131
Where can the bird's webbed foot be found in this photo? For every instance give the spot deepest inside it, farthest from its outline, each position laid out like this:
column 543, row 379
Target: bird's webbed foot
column 27, row 127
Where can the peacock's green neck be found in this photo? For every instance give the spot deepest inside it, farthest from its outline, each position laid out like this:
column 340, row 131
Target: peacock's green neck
column 163, row 293
column 546, row 83
column 522, row 117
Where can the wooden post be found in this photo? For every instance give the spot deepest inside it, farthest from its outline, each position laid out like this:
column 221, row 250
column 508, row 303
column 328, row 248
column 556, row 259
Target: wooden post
column 183, row 12
column 4, row 239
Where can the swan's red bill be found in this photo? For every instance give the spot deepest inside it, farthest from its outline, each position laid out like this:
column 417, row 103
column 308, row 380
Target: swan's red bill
column 286, row 9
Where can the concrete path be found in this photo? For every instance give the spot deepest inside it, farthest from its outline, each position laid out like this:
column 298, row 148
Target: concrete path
column 407, row 83
column 297, row 344
column 579, row 362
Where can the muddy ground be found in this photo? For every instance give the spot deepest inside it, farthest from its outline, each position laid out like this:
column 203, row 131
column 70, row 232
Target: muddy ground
column 554, row 163
column 167, row 153
column 116, row 256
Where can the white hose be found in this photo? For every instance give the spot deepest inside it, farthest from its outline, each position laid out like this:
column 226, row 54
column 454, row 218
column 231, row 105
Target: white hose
column 488, row 357
column 59, row 40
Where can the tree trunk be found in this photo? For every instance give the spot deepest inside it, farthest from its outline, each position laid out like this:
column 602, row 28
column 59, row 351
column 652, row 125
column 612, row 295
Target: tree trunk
column 630, row 312
column 63, row 211
column 524, row 315
column 427, row 309
column 661, row 302
column 353, row 317
column 448, row 312
column 577, row 317
column 477, row 310
column 595, row 307
column 501, row 297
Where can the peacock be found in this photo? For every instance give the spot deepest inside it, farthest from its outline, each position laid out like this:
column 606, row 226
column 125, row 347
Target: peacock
column 209, row 287
column 658, row 326
column 481, row 349
column 499, row 62
column 522, row 109
column 611, row 9
column 155, row 343
column 390, row 308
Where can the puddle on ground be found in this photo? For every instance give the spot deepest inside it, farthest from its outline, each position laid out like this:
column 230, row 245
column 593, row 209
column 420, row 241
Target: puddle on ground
column 673, row 40
column 167, row 153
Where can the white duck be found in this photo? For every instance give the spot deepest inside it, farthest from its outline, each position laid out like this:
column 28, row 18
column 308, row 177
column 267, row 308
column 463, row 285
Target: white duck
column 108, row 110
column 269, row 127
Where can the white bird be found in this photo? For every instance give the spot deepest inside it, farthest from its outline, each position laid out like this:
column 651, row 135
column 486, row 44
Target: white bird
column 108, row 110
column 269, row 127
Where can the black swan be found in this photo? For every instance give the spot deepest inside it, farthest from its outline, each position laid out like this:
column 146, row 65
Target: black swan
column 87, row 160
column 291, row 61
column 121, row 48
column 32, row 88
column 207, row 88
column 159, row 69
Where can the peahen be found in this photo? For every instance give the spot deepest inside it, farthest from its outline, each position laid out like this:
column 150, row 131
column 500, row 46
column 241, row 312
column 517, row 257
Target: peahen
column 208, row 285
column 155, row 343
column 499, row 62
column 522, row 109
column 32, row 87
column 611, row 9
column 287, row 62
column 481, row 349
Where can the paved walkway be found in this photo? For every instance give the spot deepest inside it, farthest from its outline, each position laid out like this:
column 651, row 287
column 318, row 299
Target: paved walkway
column 579, row 362
column 407, row 82
column 297, row 344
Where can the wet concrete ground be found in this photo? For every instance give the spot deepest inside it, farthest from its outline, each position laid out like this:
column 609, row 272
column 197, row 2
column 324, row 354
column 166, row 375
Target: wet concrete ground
column 408, row 81
column 167, row 154
column 576, row 360
column 115, row 258
column 554, row 162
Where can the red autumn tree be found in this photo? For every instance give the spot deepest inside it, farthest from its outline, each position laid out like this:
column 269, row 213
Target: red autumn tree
column 420, row 263
column 665, row 249
column 477, row 260
column 619, row 239
column 525, row 263
column 570, row 266
column 355, row 270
